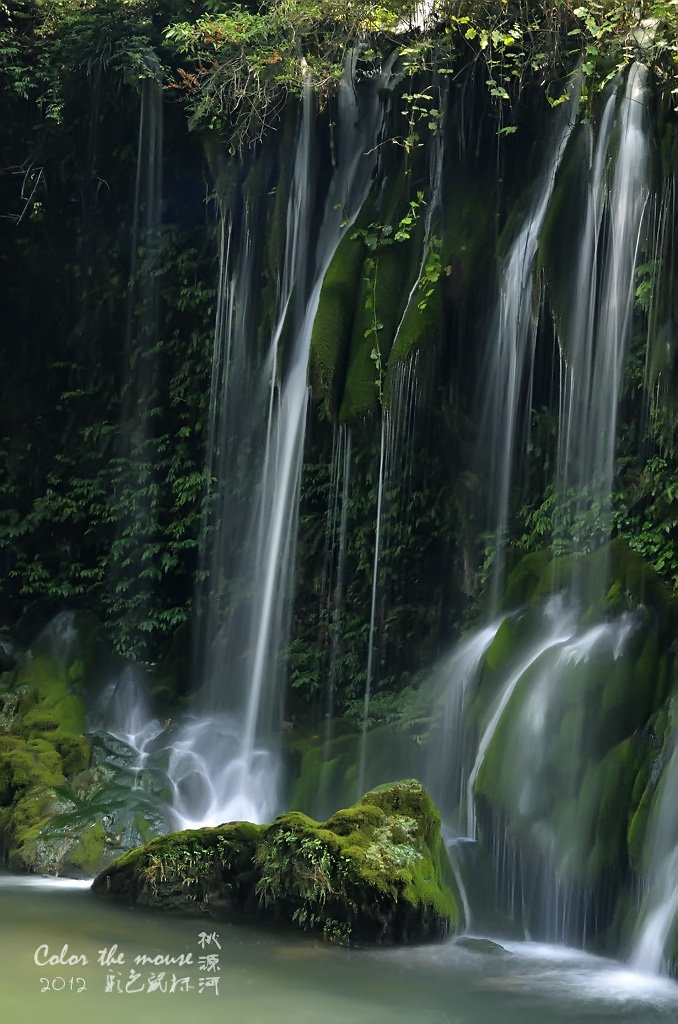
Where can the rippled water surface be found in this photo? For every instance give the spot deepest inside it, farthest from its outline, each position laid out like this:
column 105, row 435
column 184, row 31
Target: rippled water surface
column 265, row 977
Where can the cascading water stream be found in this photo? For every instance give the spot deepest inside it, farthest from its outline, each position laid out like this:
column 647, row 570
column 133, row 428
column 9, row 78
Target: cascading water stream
column 123, row 711
column 595, row 339
column 141, row 327
column 222, row 766
column 510, row 355
column 559, row 629
column 447, row 769
column 594, row 344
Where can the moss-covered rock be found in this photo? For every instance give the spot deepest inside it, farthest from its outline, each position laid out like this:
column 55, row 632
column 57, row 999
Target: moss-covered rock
column 621, row 579
column 333, row 324
column 377, row 871
column 573, row 724
column 27, row 764
column 24, row 846
column 209, row 869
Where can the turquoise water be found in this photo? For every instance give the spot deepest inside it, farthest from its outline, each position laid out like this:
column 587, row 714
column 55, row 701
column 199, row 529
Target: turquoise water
column 278, row 977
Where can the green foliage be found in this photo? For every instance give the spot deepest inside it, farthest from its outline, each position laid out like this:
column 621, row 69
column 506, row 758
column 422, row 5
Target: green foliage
column 377, row 237
column 233, row 66
column 244, row 63
column 111, row 520
column 647, row 516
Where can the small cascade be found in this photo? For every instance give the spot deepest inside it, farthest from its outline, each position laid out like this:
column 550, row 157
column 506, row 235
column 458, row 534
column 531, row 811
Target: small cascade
column 230, row 395
column 123, row 711
column 455, row 846
column 128, row 742
column 448, row 764
column 594, row 333
column 661, row 347
column 143, row 293
column 507, row 378
column 559, row 626
column 534, row 703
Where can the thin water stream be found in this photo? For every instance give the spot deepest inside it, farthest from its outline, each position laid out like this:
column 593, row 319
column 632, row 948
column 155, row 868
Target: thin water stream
column 279, row 977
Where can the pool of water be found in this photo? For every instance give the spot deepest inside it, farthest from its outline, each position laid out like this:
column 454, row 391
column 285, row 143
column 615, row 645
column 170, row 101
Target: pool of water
column 64, row 952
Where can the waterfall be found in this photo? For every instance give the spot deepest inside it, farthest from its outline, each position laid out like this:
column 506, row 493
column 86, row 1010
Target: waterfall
column 594, row 341
column 595, row 338
column 223, row 763
column 507, row 376
column 223, row 760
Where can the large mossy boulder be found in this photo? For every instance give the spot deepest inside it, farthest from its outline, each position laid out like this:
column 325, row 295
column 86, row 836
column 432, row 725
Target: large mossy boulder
column 569, row 718
column 374, row 872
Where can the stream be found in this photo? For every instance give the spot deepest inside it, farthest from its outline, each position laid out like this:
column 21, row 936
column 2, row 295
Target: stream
column 227, row 972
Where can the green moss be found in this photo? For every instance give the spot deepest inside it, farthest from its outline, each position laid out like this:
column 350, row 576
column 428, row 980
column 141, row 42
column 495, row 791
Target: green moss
column 624, row 577
column 10, row 708
column 421, row 328
column 637, row 833
column 27, row 764
column 503, row 646
column 196, row 869
column 25, row 847
column 50, row 707
column 377, row 870
column 86, row 857
column 577, row 815
column 361, row 394
column 484, row 946
column 641, row 582
column 333, row 325
column 48, row 826
column 526, row 579
column 618, row 769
